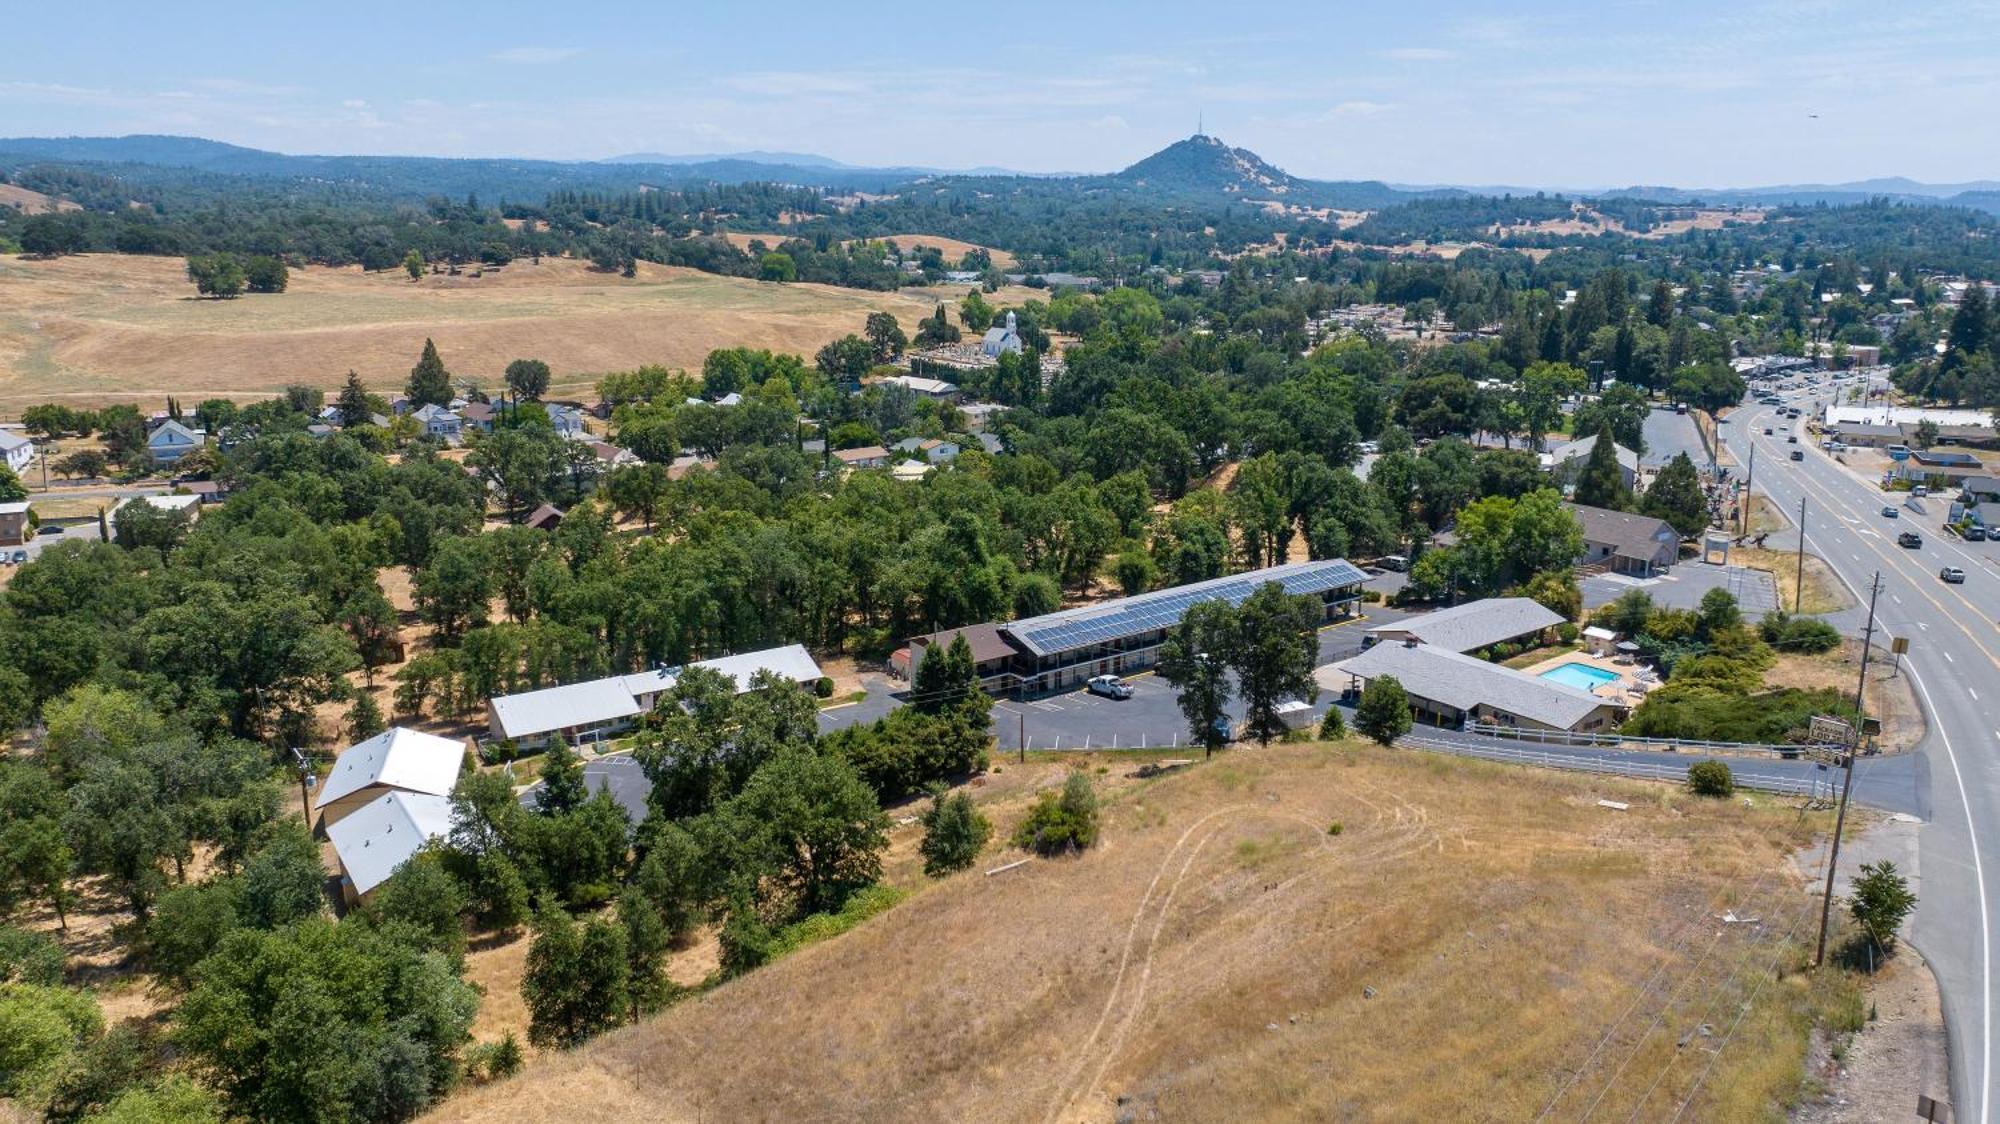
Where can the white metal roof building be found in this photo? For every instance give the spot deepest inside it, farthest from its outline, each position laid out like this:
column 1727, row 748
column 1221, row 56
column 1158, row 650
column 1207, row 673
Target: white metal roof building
column 1473, row 625
column 1447, row 688
column 1066, row 648
column 382, row 835
column 398, row 759
column 597, row 707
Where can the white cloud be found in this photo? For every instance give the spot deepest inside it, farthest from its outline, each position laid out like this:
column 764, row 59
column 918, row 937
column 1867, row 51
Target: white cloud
column 1110, row 121
column 1419, row 54
column 354, row 103
column 1358, row 108
column 535, row 56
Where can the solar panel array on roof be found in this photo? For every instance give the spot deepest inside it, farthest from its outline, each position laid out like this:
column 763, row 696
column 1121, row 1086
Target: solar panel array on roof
column 1150, row 612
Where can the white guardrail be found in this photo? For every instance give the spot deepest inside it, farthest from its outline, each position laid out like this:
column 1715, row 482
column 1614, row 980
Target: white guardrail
column 1643, row 770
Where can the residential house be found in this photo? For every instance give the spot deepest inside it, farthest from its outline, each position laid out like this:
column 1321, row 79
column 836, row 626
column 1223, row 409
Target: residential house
column 384, row 834
column 935, row 389
column 932, row 449
column 170, row 441
column 611, row 456
column 1472, row 626
column 544, row 518
column 1626, row 543
column 397, row 759
column 477, row 415
column 910, row 471
column 1448, row 688
column 19, row 451
column 1565, row 462
column 439, row 421
column 868, row 456
column 13, row 523
column 568, row 420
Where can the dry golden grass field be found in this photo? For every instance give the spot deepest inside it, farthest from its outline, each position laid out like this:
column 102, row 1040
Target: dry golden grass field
column 104, row 328
column 1477, row 942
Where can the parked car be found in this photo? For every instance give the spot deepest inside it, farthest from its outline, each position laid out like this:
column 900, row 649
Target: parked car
column 1889, row 511
column 1952, row 575
column 1910, row 540
column 1974, row 533
column 1395, row 562
column 20, row 556
column 1109, row 686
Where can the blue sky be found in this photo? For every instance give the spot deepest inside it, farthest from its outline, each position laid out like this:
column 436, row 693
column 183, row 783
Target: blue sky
column 1690, row 93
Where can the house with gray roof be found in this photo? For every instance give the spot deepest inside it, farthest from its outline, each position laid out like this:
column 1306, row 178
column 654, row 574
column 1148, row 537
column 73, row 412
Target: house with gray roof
column 19, row 451
column 1565, row 462
column 596, row 708
column 1625, row 543
column 1473, row 625
column 1869, row 435
column 1980, row 489
column 1448, row 688
column 170, row 441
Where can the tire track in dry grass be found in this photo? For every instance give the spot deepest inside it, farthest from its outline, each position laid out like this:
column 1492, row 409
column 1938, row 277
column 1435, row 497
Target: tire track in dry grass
column 1409, row 831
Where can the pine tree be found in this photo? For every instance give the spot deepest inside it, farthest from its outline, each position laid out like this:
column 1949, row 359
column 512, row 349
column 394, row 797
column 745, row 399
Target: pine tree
column 353, row 402
column 563, row 787
column 364, row 718
column 1602, row 483
column 1676, row 497
column 430, row 383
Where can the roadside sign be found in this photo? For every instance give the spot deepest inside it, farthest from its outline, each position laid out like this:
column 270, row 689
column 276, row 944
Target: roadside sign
column 1900, row 645
column 1828, row 730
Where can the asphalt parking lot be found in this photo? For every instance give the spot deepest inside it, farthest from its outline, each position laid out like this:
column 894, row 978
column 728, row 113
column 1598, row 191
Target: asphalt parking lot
column 1683, row 587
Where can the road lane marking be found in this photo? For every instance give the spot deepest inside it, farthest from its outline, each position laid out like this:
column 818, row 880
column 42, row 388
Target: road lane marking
column 1973, row 693
column 1979, row 880
column 1947, row 657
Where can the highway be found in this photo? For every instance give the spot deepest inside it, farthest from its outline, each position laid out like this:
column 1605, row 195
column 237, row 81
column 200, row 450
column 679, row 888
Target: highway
column 1954, row 665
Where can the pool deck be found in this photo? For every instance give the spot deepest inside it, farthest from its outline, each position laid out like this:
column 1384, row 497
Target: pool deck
column 1629, row 690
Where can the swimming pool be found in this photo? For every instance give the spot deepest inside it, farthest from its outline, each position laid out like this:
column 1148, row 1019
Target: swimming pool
column 1581, row 676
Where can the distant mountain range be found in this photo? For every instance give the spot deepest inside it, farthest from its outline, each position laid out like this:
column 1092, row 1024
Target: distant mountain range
column 1199, row 166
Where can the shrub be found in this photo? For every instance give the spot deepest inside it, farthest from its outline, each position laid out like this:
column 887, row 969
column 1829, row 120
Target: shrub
column 1335, row 828
column 954, row 833
column 29, row 957
column 746, row 940
column 1333, row 725
column 1567, row 632
column 1711, row 778
column 823, row 687
column 1788, row 633
column 1881, row 900
column 1058, row 823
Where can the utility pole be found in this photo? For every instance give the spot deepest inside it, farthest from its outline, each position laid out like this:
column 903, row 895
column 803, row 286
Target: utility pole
column 1799, row 590
column 1847, row 784
column 306, row 779
column 1021, row 732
